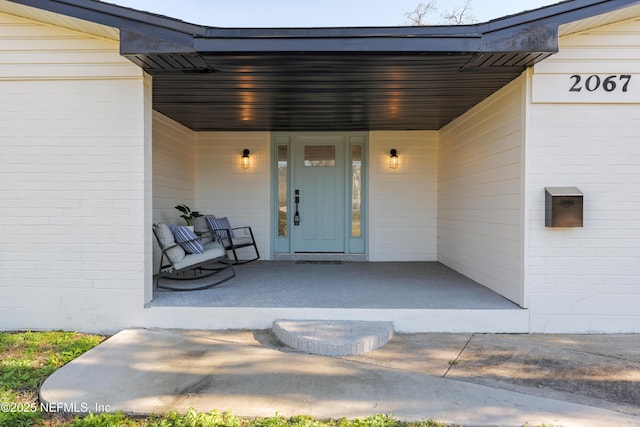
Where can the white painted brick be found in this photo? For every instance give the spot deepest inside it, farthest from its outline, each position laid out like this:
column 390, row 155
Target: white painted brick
column 246, row 197
column 586, row 279
column 104, row 299
column 403, row 223
column 586, row 324
column 72, row 217
column 479, row 220
column 30, row 297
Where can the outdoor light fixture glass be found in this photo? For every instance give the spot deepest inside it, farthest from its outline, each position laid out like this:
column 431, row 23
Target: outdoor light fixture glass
column 393, row 159
column 246, row 162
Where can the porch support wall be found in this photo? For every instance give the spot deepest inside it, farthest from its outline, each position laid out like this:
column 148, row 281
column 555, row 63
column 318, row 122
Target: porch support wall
column 479, row 192
column 73, row 158
column 586, row 279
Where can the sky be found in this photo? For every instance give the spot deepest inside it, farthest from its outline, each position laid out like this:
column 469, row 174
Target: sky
column 317, row 13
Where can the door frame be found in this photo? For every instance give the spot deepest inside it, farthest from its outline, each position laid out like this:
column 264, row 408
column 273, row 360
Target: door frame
column 282, row 246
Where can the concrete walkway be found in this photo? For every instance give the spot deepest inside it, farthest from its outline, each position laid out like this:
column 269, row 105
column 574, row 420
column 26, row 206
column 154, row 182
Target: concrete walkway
column 568, row 380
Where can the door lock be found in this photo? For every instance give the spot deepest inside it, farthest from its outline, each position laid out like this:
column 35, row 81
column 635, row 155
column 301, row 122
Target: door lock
column 296, row 216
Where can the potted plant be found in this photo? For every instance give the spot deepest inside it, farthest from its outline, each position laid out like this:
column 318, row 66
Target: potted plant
column 188, row 215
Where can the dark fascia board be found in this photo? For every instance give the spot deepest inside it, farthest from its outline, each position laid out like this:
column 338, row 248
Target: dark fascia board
column 537, row 25
column 357, row 45
column 148, row 33
column 557, row 14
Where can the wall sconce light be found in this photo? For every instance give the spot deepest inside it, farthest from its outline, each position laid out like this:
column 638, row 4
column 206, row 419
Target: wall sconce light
column 246, row 161
column 393, row 159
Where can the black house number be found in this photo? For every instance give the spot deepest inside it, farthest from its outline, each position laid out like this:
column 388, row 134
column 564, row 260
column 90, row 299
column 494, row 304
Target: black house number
column 593, row 83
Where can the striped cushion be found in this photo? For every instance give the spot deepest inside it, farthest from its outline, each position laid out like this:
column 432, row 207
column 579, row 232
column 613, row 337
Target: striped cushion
column 187, row 239
column 221, row 225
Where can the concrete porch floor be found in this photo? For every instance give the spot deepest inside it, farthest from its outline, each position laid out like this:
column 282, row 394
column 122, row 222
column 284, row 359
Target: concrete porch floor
column 415, row 296
column 383, row 285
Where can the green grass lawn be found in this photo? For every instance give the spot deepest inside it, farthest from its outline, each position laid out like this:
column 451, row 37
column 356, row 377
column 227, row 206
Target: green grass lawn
column 28, row 358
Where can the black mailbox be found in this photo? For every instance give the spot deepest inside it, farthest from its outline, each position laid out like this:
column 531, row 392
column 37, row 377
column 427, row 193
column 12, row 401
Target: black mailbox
column 563, row 207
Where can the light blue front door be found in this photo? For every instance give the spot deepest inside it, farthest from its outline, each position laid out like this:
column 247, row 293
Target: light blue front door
column 326, row 173
column 318, row 187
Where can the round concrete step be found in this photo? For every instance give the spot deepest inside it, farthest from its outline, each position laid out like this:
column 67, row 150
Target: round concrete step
column 333, row 337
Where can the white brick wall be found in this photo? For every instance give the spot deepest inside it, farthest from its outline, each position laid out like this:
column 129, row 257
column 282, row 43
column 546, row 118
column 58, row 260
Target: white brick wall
column 223, row 188
column 592, row 272
column 174, row 165
column 587, row 279
column 402, row 207
column 202, row 169
column 72, row 195
column 174, row 168
column 479, row 192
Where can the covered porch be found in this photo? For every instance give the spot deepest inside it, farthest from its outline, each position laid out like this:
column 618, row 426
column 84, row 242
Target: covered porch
column 449, row 100
column 416, row 296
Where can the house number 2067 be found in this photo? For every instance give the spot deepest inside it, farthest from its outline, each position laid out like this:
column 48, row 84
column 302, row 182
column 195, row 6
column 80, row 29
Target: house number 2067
column 594, row 83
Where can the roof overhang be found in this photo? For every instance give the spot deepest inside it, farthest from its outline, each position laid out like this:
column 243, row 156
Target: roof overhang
column 389, row 78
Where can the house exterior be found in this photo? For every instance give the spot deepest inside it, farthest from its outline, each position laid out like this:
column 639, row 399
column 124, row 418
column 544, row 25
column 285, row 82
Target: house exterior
column 109, row 117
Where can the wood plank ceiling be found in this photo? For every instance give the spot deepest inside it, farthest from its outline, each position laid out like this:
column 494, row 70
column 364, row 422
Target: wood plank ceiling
column 324, row 91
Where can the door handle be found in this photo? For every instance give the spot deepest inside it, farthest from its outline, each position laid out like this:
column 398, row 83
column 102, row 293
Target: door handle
column 296, row 216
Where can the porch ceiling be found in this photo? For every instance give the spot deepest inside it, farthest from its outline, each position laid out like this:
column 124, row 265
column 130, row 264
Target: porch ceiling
column 414, row 78
column 334, row 78
column 324, row 91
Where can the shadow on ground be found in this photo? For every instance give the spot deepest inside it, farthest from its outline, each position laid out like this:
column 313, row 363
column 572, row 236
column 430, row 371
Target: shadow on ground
column 596, row 370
